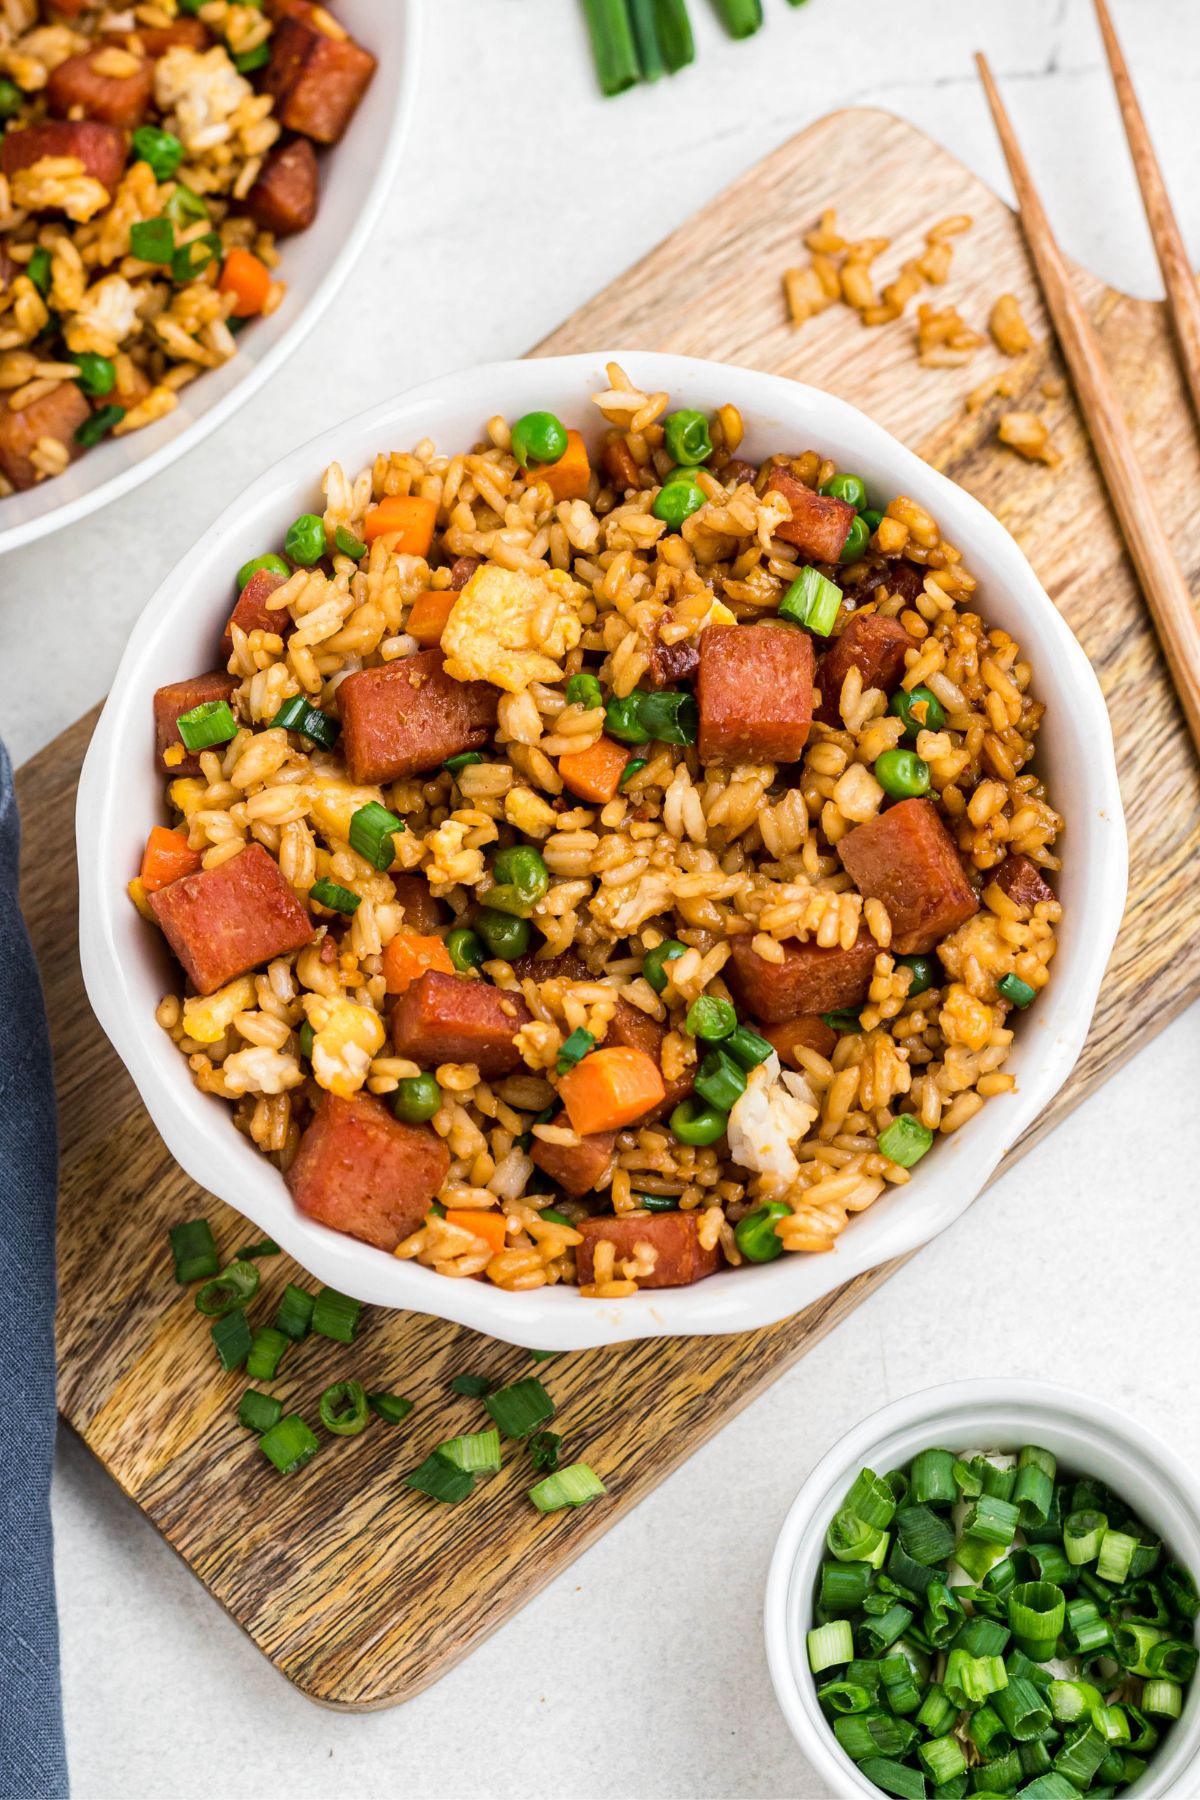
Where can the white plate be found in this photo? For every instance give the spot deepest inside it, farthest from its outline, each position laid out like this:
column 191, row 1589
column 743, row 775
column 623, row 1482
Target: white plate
column 1088, row 1437
column 355, row 177
column 126, row 967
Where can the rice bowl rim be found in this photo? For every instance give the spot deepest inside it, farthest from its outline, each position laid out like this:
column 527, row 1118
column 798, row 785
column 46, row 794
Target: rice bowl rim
column 118, row 465
column 1087, row 1434
column 120, row 796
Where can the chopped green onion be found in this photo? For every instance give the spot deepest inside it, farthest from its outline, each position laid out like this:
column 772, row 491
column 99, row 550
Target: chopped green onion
column 812, row 601
column 1162, row 1699
column 573, row 1486
column 1117, row 1550
column 747, row 1048
column 231, row 1288
column 161, row 149
column 613, row 47
column 441, row 1479
column 921, row 710
column 710, row 1018
column 1036, row 1614
column 1173, row 1658
column 848, row 1019
column 289, row 1444
column 926, row 1537
column 544, row 1447
column 1181, row 1590
column 942, row 1759
column 258, row 1412
column 989, row 1733
column 212, row 722
column 343, row 1408
column 981, row 1636
column 879, row 1631
column 933, row 1481
column 574, row 1048
column 844, row 1586
column 652, row 963
column 454, row 765
column 372, row 829
column 630, row 770
column 338, row 899
column 1051, row 1786
column 347, row 544
column 191, row 259
column 1023, row 1710
column 830, row 1645
column 865, row 1734
column 391, row 1408
column 152, row 240
column 1081, row 1755
column 720, row 1080
column 991, row 1521
column 231, row 1339
column 937, row 1711
column 248, row 60
column 266, row 1353
column 944, row 1617
column 299, row 716
column 294, row 1317
column 194, row 1251
column 970, row 1679
column 478, row 1453
column 1083, row 1534
column 335, row 1316
column 900, row 1684
column 892, row 1777
column 870, row 1499
column 185, row 206
column 264, row 1247
column 1015, row 991
column 520, row 1409
column 905, row 1141
column 1073, row 1700
column 474, row 1386
column 99, row 425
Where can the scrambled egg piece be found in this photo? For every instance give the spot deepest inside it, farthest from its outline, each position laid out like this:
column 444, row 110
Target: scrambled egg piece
column 490, row 634
column 771, row 1116
column 345, row 1038
column 207, row 1020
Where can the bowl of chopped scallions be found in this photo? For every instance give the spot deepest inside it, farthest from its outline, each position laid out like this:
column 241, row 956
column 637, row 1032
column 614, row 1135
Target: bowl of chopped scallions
column 991, row 1588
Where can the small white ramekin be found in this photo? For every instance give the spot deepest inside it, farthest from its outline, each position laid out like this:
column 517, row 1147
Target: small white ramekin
column 1088, row 1437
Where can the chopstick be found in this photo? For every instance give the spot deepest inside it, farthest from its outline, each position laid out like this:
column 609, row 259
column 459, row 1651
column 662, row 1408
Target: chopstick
column 1183, row 294
column 1166, row 592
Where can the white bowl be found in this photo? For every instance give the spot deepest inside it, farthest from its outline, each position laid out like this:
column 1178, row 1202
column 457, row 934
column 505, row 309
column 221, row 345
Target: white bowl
column 125, row 965
column 355, row 177
column 1087, row 1436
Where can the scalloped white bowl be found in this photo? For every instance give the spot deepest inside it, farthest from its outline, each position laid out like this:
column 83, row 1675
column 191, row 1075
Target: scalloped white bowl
column 125, row 964
column 1088, row 1437
column 355, row 177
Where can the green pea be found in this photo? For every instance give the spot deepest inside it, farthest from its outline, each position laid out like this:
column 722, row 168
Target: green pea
column 711, row 1018
column 623, row 719
column 755, row 1234
column 416, row 1099
column 11, row 99
column 270, row 561
column 850, row 488
column 695, row 1123
column 249, row 60
column 873, row 517
column 505, row 935
column 857, row 540
column 902, row 704
column 652, row 964
column 305, row 541
column 677, row 501
column 687, row 437
column 540, row 436
column 39, row 271
column 521, row 880
column 161, row 149
column 924, row 972
column 902, row 774
column 584, row 690
column 465, row 949
column 97, row 374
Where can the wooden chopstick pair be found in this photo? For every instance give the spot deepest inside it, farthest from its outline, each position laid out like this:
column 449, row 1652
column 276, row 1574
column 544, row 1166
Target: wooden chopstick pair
column 1166, row 591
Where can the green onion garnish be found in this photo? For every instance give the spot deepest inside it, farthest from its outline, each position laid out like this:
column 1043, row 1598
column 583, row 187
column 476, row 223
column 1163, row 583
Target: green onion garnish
column 161, row 149
column 721, row 1081
column 39, row 269
column 185, row 206
column 298, row 715
column 343, row 1408
column 152, row 240
column 477, row 1454
column 544, row 1447
column 630, row 770
column 613, row 47
column 258, row 1412
column 336, row 898
column 231, row 1288
column 99, row 425
column 289, row 1445
column 573, row 1486
column 194, row 1251
column 191, row 259
column 248, row 60
column 231, row 1339
column 455, row 764
column 905, row 1141
column 473, row 1386
column 830, row 1645
column 520, row 1409
column 391, row 1408
column 372, row 829
column 348, row 545
column 264, row 1247
column 812, row 601
column 441, row 1479
column 746, row 1047
column 212, row 722
column 1015, row 991
column 574, row 1049
column 335, row 1316
column 294, row 1317
column 266, row 1353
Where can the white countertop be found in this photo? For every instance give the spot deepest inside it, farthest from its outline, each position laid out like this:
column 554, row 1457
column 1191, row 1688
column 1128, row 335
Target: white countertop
column 639, row 1672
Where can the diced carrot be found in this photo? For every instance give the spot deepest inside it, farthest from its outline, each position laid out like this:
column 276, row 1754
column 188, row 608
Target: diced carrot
column 410, row 517
column 809, row 1030
column 594, row 774
column 408, row 956
column 568, row 478
column 486, row 1225
column 611, row 1088
column 427, row 619
column 248, row 279
column 166, row 858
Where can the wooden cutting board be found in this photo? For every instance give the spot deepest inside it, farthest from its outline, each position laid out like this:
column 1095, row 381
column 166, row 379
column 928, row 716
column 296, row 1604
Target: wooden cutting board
column 357, row 1590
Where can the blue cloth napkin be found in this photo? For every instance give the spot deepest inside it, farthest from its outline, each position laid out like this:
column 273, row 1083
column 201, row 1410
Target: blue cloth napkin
column 33, row 1764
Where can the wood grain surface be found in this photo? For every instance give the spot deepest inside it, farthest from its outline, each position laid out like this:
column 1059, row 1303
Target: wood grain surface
column 357, row 1590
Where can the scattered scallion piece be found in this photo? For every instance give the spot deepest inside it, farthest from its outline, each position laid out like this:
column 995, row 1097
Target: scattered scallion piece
column 264, row 1247
column 335, row 1316
column 289, row 1444
column 544, row 1447
column 266, row 1353
column 343, row 1408
column 574, row 1049
column 231, row 1288
column 613, row 46
column 573, row 1486
column 194, row 1251
column 258, row 1412
column 812, row 601
column 348, row 545
column 99, row 425
column 212, row 722
column 297, row 714
column 391, row 1408
column 473, row 1386
column 332, row 895
column 520, row 1409
column 372, row 829
column 232, row 1339
column 294, row 1317
column 441, row 1479
column 478, row 1453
